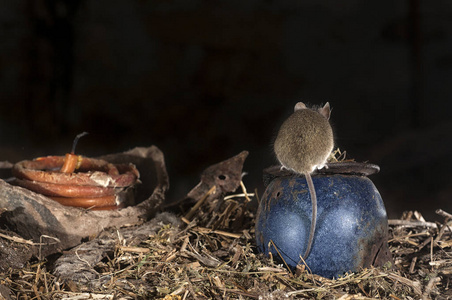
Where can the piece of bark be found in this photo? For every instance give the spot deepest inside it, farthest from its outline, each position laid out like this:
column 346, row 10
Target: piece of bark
column 35, row 217
column 225, row 176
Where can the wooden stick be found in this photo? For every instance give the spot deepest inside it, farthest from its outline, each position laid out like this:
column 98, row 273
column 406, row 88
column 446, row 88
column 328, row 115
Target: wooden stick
column 17, row 239
column 200, row 202
column 443, row 213
column 409, row 223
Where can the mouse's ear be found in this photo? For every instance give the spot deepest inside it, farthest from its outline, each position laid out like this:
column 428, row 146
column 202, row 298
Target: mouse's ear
column 325, row 111
column 299, row 105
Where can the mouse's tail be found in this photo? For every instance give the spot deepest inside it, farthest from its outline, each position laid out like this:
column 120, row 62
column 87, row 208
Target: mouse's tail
column 314, row 215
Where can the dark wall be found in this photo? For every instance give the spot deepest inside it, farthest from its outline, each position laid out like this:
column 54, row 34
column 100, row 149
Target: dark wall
column 204, row 80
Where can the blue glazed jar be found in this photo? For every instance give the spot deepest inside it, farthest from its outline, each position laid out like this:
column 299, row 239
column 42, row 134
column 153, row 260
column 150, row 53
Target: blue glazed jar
column 351, row 231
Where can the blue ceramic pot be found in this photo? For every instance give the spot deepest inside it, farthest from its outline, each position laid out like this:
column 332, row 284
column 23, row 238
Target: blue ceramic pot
column 351, row 231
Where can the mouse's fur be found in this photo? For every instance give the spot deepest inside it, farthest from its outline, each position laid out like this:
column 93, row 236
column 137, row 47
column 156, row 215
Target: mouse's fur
column 304, row 143
column 305, row 139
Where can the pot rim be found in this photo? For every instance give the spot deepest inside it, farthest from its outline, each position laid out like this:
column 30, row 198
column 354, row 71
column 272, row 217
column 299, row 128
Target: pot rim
column 343, row 168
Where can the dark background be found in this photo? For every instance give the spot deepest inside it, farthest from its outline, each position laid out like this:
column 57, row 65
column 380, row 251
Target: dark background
column 204, row 80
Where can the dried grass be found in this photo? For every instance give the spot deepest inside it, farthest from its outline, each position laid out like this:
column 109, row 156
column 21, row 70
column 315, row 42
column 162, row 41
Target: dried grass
column 214, row 257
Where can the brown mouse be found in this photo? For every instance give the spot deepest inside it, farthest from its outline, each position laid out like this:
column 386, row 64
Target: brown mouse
column 303, row 144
